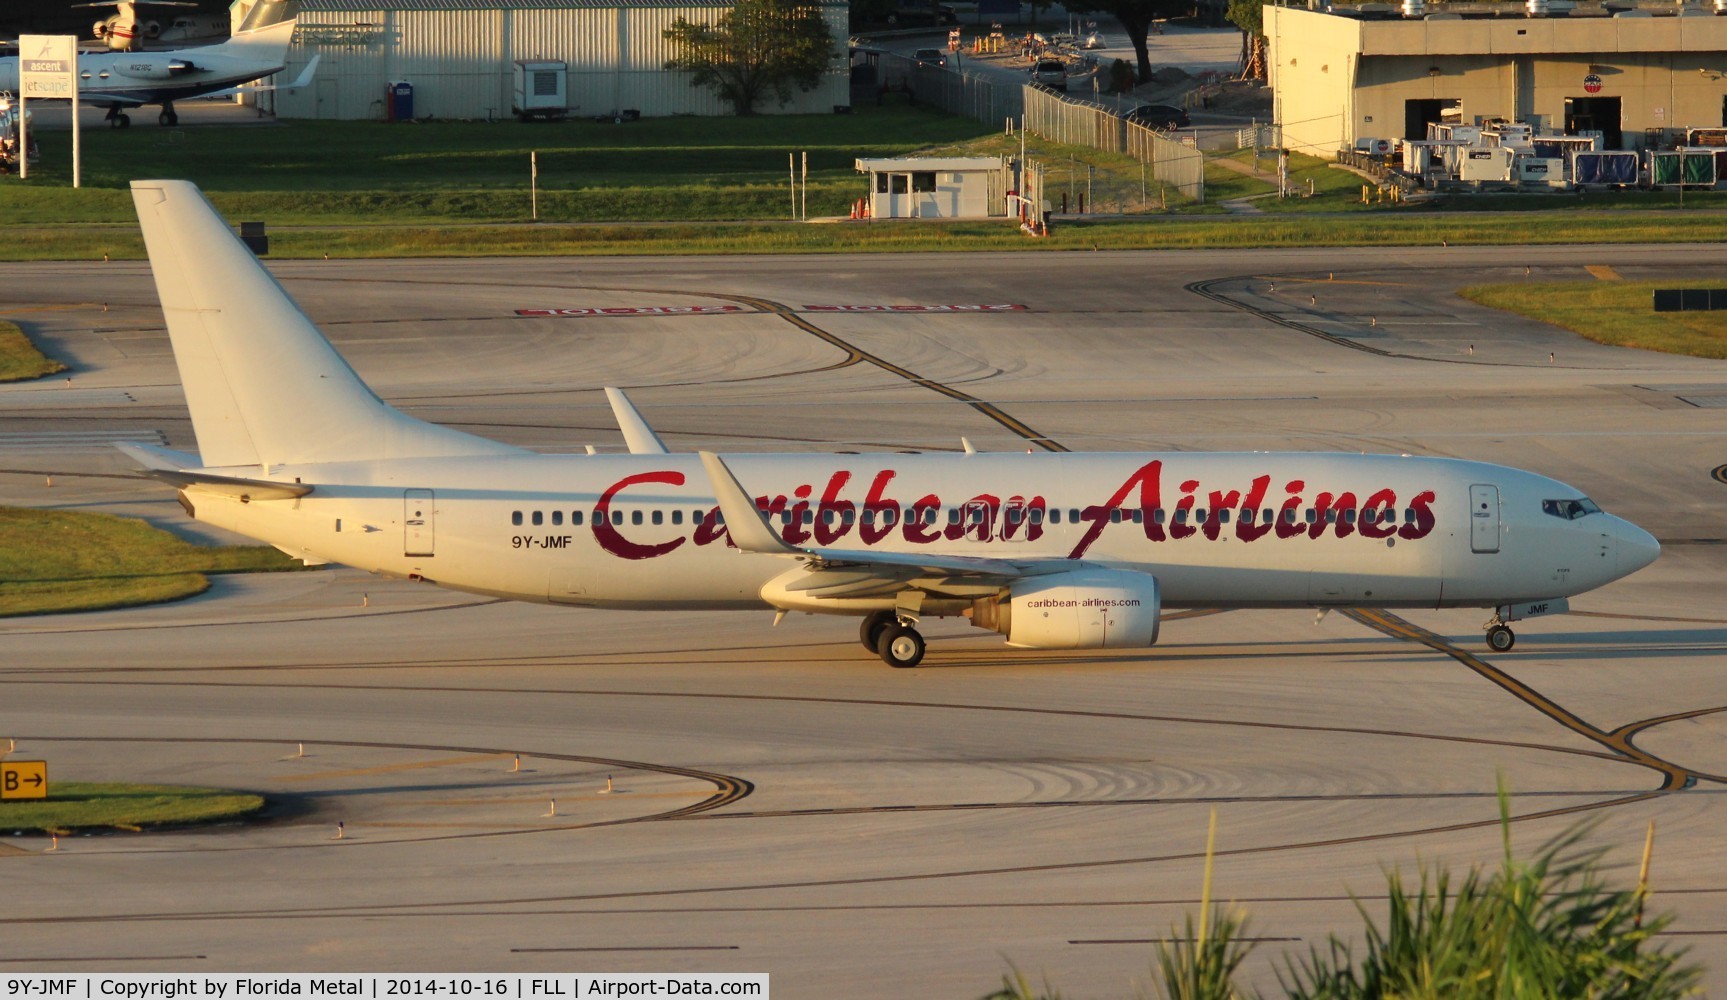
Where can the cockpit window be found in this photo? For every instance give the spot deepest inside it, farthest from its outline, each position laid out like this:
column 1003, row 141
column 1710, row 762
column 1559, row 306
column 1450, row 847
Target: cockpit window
column 1570, row 510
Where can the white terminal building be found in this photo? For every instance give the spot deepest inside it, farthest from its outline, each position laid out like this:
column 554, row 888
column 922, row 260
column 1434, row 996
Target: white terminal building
column 459, row 58
column 1638, row 76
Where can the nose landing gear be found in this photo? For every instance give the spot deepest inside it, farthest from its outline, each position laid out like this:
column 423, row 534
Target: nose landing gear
column 1500, row 638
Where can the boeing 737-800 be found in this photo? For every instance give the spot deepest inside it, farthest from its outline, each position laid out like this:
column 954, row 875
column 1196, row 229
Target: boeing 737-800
column 1054, row 551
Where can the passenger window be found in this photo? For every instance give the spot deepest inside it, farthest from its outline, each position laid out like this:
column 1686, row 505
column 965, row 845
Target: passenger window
column 515, row 517
column 1199, row 516
column 677, row 517
column 1312, row 516
column 1181, row 517
column 1223, row 517
column 848, row 515
column 576, row 518
column 1115, row 516
column 1289, row 515
column 1331, row 516
column 557, row 517
column 1138, row 515
column 827, row 517
column 1036, row 515
column 1015, row 515
column 953, row 515
column 1349, row 516
column 1054, row 516
column 1158, row 515
column 809, row 517
column 890, row 516
column 1269, row 515
column 1409, row 515
column 617, row 517
column 869, row 517
column 659, row 517
column 1073, row 515
column 635, row 517
column 539, row 518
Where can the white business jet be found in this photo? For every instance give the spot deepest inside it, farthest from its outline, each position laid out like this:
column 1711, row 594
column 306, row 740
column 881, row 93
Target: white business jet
column 125, row 31
column 1054, row 551
column 121, row 80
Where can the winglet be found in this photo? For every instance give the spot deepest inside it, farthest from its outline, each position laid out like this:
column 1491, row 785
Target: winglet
column 744, row 522
column 637, row 434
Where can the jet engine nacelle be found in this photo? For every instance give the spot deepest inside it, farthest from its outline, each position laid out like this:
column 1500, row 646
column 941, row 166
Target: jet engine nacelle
column 1080, row 609
column 153, row 69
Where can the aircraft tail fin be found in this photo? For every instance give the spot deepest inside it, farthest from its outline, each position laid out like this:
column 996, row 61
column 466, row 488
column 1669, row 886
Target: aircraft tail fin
column 263, row 385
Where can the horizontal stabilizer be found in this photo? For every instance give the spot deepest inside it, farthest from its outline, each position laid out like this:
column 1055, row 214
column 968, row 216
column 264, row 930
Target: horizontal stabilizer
column 179, row 470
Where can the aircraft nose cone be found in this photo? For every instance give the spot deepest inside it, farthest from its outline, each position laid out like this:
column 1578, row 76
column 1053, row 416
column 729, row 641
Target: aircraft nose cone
column 1637, row 548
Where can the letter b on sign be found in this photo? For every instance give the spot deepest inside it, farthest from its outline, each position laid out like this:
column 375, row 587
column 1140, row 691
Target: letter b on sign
column 24, row 779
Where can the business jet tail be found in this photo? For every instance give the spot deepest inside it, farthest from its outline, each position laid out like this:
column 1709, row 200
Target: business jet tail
column 263, row 385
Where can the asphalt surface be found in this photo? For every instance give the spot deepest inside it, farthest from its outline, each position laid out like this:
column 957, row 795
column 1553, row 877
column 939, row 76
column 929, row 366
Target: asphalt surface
column 780, row 801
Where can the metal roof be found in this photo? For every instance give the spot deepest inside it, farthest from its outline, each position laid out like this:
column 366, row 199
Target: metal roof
column 952, row 164
column 361, row 6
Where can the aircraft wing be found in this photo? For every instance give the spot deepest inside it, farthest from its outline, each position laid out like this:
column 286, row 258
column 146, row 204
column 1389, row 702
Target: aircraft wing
column 751, row 532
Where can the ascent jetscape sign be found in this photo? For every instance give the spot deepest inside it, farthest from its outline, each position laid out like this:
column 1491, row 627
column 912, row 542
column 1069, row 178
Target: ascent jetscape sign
column 47, row 66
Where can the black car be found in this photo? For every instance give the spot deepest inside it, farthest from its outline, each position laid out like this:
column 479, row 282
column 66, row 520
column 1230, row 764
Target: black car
column 1158, row 116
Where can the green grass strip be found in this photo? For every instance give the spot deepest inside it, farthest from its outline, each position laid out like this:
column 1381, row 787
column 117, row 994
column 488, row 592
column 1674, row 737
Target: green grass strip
column 55, row 561
column 19, row 359
column 79, row 805
column 1621, row 313
column 1401, row 228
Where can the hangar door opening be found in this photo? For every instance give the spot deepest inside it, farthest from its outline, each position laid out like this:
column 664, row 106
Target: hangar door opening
column 1417, row 115
column 1594, row 114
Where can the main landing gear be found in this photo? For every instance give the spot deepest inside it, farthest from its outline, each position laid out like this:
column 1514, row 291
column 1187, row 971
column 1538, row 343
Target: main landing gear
column 167, row 119
column 897, row 642
column 117, row 118
column 1500, row 638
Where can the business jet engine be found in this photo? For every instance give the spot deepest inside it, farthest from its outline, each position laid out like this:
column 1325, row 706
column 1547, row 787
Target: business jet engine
column 154, row 68
column 1079, row 609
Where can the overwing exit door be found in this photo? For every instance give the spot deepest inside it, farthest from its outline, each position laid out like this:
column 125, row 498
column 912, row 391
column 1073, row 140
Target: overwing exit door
column 418, row 522
column 1483, row 518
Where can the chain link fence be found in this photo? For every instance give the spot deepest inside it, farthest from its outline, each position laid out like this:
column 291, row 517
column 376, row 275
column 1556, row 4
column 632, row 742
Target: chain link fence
column 957, row 91
column 1082, row 123
column 1048, row 115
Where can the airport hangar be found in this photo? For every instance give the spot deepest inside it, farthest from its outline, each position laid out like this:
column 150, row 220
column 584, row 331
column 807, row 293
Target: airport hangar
column 459, row 56
column 1638, row 76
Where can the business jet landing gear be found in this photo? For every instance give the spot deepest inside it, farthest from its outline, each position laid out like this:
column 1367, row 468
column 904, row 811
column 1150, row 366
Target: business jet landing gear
column 873, row 625
column 900, row 646
column 167, row 119
column 117, row 118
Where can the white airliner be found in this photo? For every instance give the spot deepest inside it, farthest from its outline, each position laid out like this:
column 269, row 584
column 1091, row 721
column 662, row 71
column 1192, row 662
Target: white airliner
column 120, row 80
column 1055, row 551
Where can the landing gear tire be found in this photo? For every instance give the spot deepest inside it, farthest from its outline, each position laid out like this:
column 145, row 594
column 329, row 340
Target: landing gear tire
column 900, row 646
column 168, row 119
column 871, row 628
column 123, row 121
column 1500, row 638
